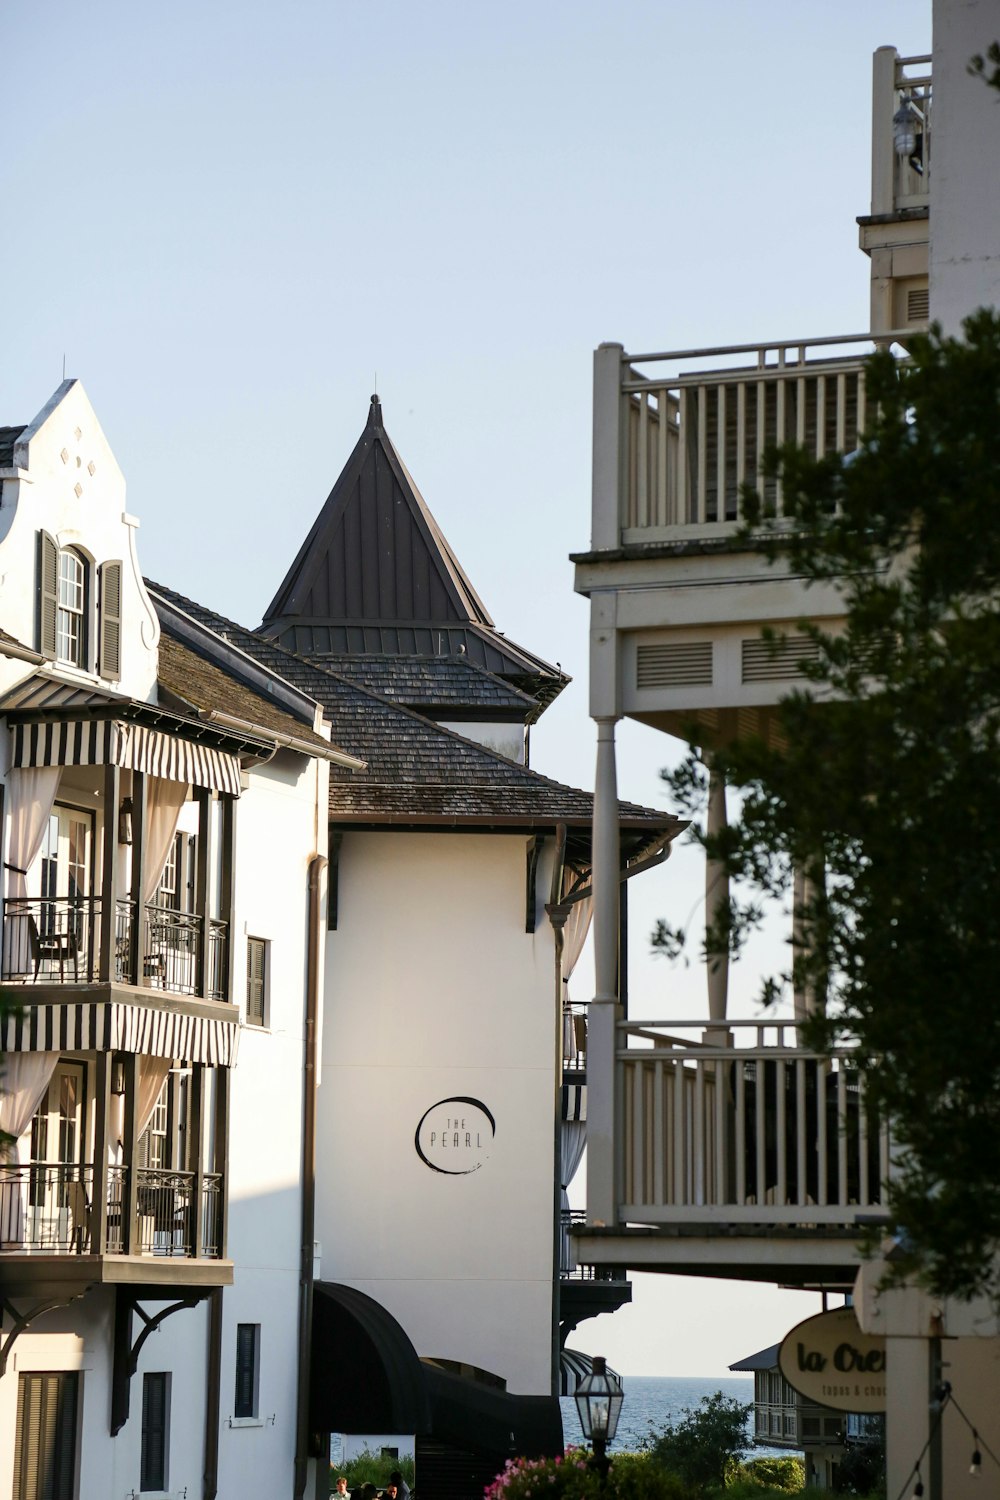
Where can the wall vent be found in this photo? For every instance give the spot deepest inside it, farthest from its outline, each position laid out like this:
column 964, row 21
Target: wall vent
column 776, row 661
column 679, row 664
column 918, row 304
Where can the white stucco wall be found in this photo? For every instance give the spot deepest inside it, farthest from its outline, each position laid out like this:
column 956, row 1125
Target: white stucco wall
column 964, row 239
column 434, row 991
column 51, row 465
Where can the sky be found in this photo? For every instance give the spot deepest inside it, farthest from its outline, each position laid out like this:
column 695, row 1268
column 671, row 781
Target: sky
column 233, row 220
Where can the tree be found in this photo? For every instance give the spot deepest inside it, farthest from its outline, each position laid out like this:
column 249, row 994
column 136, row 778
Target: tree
column 890, row 783
column 700, row 1447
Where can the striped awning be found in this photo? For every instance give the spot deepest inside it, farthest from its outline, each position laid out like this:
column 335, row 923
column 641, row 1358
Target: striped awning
column 573, row 1366
column 104, row 742
column 116, row 1026
column 574, row 1101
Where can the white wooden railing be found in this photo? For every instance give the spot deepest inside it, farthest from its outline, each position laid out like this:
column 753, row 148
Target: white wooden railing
column 673, row 446
column 740, row 1124
column 900, row 182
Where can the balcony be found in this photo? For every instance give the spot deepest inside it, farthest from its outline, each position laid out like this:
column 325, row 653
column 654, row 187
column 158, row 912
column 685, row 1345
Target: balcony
column 731, row 1136
column 58, row 941
column 49, row 1208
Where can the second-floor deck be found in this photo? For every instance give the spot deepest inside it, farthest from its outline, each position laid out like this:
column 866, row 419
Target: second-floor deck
column 734, row 1134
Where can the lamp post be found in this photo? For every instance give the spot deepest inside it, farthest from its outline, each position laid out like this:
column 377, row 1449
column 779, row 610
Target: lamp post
column 599, row 1398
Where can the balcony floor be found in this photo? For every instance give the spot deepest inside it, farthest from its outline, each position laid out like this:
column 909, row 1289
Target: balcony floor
column 39, row 1273
column 827, row 1256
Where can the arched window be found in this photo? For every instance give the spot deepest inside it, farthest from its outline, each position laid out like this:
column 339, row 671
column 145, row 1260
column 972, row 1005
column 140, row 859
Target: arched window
column 71, row 619
column 67, row 618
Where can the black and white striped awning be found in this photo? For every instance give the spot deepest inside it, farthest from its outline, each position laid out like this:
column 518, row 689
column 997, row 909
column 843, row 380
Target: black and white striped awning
column 104, row 742
column 574, row 1101
column 573, row 1366
column 116, row 1026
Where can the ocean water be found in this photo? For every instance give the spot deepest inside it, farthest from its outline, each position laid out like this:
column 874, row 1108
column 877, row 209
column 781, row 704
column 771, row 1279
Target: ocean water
column 651, row 1401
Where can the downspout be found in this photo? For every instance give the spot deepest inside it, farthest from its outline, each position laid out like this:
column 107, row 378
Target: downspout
column 557, row 914
column 317, row 865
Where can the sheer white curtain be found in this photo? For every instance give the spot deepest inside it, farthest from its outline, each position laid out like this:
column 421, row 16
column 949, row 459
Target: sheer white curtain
column 164, row 800
column 24, row 1083
column 152, row 1076
column 574, row 936
column 572, row 1140
column 31, row 792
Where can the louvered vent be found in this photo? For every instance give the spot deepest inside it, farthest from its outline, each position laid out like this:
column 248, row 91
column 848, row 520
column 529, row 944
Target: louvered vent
column 680, row 664
column 918, row 305
column 776, row 661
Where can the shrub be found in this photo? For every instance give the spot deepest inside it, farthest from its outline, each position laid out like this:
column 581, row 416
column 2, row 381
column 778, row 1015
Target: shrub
column 371, row 1468
column 633, row 1476
column 773, row 1473
column 701, row 1448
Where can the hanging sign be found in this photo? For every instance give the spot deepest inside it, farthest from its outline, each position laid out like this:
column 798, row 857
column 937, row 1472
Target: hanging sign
column 830, row 1362
column 455, row 1136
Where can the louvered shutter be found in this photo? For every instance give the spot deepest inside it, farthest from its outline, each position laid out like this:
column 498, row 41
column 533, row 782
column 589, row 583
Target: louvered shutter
column 256, row 977
column 45, row 1437
column 48, row 594
column 110, row 664
column 153, row 1454
column 246, row 1369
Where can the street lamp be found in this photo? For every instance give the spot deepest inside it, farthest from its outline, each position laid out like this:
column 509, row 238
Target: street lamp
column 599, row 1398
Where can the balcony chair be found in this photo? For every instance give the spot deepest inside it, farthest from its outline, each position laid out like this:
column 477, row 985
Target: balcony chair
column 57, row 947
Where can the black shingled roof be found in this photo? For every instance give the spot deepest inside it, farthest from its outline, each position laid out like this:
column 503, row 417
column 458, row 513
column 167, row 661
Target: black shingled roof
column 417, row 773
column 448, row 687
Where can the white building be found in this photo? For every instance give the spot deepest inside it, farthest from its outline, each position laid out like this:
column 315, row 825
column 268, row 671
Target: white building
column 728, row 1150
column 147, row 798
column 306, row 1122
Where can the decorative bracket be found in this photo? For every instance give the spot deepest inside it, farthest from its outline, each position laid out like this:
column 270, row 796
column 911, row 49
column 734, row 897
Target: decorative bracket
column 126, row 1359
column 22, row 1320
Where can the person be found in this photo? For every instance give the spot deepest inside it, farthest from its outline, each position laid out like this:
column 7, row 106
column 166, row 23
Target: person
column 369, row 1491
column 389, row 1493
column 402, row 1488
column 341, row 1486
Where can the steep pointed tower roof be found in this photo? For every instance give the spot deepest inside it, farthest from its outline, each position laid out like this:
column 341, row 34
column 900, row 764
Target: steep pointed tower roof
column 376, row 576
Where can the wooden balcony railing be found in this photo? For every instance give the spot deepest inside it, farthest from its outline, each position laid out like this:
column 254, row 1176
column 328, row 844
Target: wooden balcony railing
column 740, row 1124
column 900, row 181
column 673, row 446
column 48, row 1207
column 57, row 940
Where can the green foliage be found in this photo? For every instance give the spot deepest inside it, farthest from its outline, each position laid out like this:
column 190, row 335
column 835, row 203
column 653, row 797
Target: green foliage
column 633, row 1476
column 750, row 1489
column 701, row 1448
column 861, row 1470
column 371, row 1468
column 890, row 785
column 784, row 1474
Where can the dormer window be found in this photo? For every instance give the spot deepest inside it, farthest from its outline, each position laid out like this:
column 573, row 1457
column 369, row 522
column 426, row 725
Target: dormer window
column 70, row 629
column 71, row 623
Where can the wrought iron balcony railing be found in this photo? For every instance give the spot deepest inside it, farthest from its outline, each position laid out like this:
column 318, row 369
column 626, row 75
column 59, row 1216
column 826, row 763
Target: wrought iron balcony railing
column 57, row 940
column 569, row 1268
column 48, row 1208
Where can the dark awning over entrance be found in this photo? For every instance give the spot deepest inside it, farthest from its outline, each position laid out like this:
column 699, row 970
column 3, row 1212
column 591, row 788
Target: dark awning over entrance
column 367, row 1377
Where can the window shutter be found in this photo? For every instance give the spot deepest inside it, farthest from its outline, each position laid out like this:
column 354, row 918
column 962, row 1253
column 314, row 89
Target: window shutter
column 246, row 1360
column 48, row 594
column 111, row 621
column 152, row 1460
column 256, row 976
column 45, row 1436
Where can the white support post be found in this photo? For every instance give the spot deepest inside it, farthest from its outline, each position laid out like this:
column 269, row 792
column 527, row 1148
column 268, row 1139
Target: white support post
column 883, row 109
column 716, row 896
column 805, row 999
column 609, row 449
column 602, row 1202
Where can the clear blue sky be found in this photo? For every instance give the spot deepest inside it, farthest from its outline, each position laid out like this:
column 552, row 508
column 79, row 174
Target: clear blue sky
column 229, row 216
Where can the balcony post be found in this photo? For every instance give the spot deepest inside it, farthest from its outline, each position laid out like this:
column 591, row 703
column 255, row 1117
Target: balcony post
column 196, row 1147
column 222, row 1079
column 883, row 109
column 203, row 797
column 602, row 1205
column 102, row 1114
column 227, row 895
column 610, row 452
column 130, row 1153
column 137, row 918
column 109, row 874
column 716, row 899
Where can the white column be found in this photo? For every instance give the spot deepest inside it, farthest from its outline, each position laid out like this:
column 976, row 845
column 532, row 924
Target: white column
column 805, row 998
column 716, row 895
column 602, row 1205
column 609, row 448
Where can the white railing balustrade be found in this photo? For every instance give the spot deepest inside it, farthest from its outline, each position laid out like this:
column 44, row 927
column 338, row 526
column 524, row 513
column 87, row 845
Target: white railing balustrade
column 900, row 179
column 694, row 438
column 740, row 1124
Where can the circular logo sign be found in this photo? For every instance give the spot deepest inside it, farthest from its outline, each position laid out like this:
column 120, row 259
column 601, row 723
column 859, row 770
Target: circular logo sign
column 831, row 1362
column 455, row 1136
